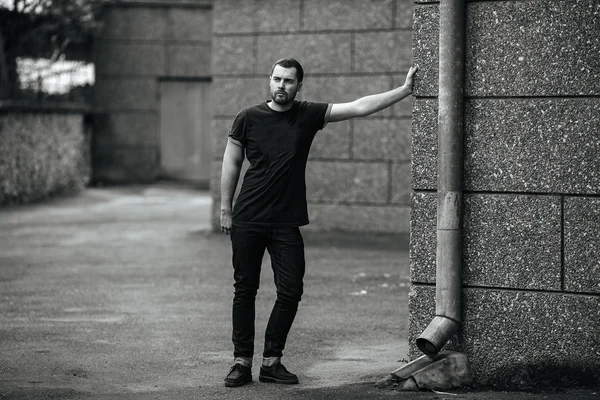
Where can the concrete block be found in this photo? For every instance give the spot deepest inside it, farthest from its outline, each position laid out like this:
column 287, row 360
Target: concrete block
column 358, row 218
column 339, row 89
column 189, row 60
column 348, row 15
column 424, row 145
column 520, row 339
column 333, row 142
column 383, row 51
column 582, row 244
column 401, row 191
column 233, row 94
column 135, row 23
column 533, row 145
column 125, row 130
column 347, row 182
column 220, row 130
column 278, row 16
column 233, row 55
column 215, row 179
column 117, row 58
column 404, row 14
column 125, row 94
column 382, row 139
column 189, row 24
column 126, row 165
column 423, row 225
column 512, row 241
column 232, row 16
column 526, row 48
column 425, row 49
column 318, row 53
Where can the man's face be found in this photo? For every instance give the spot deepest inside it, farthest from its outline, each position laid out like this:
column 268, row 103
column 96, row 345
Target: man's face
column 284, row 85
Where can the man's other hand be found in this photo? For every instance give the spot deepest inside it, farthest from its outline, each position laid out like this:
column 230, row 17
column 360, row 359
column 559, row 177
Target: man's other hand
column 226, row 222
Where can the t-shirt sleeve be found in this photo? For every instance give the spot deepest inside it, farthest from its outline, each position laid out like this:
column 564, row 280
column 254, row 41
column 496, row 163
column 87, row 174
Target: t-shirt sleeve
column 319, row 114
column 237, row 133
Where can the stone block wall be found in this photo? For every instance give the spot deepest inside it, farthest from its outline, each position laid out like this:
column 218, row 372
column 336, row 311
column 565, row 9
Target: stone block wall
column 141, row 43
column 358, row 175
column 531, row 269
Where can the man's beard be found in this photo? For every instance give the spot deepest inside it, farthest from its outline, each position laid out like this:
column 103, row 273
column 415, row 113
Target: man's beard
column 282, row 100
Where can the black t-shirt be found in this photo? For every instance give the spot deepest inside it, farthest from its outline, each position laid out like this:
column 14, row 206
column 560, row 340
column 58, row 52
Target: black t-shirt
column 277, row 145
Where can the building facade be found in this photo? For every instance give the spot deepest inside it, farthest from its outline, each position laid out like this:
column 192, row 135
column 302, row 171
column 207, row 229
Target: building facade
column 531, row 236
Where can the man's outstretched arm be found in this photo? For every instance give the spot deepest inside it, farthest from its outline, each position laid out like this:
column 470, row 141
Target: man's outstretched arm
column 371, row 104
column 230, row 173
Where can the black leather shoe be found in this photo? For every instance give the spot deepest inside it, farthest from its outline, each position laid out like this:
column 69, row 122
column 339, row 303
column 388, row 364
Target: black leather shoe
column 238, row 376
column 277, row 374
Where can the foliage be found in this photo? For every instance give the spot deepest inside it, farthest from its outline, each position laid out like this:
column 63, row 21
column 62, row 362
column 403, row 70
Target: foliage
column 50, row 29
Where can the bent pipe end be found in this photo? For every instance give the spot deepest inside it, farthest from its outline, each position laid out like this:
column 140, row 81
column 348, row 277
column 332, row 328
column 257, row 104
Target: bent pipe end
column 436, row 335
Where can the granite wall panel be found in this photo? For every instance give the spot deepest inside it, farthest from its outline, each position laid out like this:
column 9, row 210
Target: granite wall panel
column 424, row 144
column 508, row 241
column 512, row 241
column 517, row 145
column 517, row 48
column 524, row 48
column 533, row 145
column 582, row 244
column 423, row 226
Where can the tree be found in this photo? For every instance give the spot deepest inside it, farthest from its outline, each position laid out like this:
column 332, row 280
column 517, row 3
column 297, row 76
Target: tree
column 43, row 29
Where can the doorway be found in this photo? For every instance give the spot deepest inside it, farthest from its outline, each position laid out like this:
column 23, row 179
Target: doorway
column 185, row 139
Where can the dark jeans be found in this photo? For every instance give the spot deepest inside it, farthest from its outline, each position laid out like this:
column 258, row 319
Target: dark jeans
column 286, row 247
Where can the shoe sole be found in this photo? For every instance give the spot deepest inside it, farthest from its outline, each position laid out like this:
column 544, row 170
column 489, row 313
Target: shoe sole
column 266, row 379
column 237, row 384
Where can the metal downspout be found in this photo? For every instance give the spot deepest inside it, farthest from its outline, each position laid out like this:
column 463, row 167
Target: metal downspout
column 450, row 178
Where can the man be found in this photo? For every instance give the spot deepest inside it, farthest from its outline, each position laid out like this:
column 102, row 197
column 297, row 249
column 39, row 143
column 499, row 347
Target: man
column 275, row 136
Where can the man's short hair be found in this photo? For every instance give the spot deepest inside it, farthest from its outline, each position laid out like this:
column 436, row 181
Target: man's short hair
column 290, row 63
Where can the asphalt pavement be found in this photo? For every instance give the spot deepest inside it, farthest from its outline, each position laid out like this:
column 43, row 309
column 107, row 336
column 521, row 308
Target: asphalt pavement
column 124, row 293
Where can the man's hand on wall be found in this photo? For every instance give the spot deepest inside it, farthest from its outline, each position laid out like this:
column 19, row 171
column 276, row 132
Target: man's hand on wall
column 409, row 77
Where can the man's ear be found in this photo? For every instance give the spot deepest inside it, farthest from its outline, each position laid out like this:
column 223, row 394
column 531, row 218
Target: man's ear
column 299, row 86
